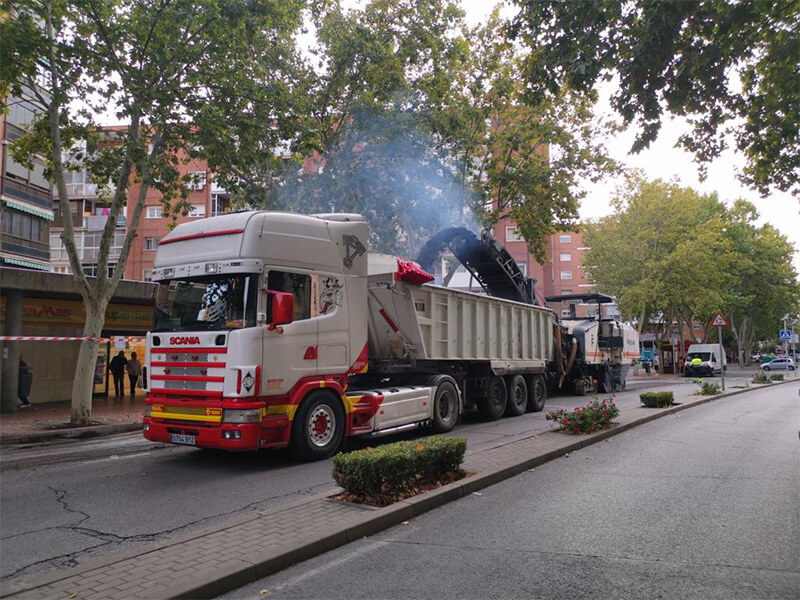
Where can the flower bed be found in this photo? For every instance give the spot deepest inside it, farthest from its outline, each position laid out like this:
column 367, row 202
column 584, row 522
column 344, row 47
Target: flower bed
column 596, row 415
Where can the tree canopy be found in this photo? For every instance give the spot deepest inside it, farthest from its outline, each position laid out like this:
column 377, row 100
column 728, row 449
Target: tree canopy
column 419, row 136
column 730, row 68
column 187, row 77
column 669, row 253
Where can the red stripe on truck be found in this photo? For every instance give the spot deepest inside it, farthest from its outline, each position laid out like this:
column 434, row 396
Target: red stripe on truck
column 196, row 236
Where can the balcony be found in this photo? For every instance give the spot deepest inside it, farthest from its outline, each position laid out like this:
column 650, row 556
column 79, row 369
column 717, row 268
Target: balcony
column 25, row 247
column 82, row 190
column 93, row 223
column 28, row 193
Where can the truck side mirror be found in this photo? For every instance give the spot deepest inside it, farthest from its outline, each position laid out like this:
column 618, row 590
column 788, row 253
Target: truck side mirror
column 281, row 309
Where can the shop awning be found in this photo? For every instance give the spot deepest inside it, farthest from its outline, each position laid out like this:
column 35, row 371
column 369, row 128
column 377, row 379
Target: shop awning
column 26, row 263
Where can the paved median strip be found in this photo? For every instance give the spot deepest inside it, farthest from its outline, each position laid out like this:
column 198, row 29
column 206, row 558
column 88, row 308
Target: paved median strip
column 206, row 563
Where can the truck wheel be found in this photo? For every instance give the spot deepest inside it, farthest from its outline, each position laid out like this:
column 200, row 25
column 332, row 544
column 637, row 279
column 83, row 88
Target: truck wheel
column 445, row 407
column 517, row 396
column 493, row 404
column 318, row 427
column 538, row 394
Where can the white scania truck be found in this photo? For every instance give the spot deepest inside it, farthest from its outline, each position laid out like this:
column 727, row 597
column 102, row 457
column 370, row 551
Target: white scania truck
column 276, row 329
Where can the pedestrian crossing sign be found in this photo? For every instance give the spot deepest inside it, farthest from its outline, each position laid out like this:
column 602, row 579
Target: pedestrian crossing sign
column 719, row 321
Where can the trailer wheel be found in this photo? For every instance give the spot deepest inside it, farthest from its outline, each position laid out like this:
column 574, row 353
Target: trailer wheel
column 445, row 407
column 493, row 404
column 517, row 396
column 318, row 427
column 538, row 394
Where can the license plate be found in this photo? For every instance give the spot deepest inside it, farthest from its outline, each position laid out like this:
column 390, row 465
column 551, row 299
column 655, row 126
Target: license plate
column 182, row 439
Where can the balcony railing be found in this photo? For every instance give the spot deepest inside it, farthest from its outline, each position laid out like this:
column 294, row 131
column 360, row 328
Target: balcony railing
column 28, row 193
column 25, row 247
column 82, row 190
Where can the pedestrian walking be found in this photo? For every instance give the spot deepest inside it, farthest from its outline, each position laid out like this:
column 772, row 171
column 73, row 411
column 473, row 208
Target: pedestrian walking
column 24, row 380
column 134, row 368
column 117, row 368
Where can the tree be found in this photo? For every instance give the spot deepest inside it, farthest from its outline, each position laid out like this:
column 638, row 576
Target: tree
column 766, row 284
column 431, row 133
column 188, row 77
column 730, row 68
column 662, row 253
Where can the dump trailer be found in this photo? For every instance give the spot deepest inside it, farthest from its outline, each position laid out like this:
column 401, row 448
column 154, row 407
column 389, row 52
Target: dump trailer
column 277, row 330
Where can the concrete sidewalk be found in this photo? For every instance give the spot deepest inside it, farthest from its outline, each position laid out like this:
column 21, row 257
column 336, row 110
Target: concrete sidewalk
column 48, row 422
column 210, row 562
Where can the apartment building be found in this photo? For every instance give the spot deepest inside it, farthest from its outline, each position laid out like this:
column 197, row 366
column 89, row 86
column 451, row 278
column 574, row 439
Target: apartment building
column 26, row 209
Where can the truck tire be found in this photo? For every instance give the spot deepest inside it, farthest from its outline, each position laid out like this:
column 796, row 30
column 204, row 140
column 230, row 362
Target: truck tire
column 493, row 404
column 517, row 396
column 318, row 426
column 445, row 406
column 537, row 395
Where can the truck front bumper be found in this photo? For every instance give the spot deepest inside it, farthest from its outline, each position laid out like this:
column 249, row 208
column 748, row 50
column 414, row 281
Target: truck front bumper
column 232, row 437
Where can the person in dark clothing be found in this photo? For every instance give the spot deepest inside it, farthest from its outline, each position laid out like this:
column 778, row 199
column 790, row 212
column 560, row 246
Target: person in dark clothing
column 117, row 368
column 23, row 385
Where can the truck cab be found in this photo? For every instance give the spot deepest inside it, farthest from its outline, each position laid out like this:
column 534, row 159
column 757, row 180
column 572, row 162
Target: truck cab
column 253, row 310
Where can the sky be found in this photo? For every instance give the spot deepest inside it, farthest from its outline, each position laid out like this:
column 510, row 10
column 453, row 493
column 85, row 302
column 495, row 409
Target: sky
column 663, row 161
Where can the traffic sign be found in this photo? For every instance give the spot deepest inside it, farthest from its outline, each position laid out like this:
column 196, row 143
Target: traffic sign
column 786, row 335
column 719, row 321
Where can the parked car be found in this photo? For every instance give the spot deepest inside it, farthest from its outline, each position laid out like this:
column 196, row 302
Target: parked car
column 778, row 364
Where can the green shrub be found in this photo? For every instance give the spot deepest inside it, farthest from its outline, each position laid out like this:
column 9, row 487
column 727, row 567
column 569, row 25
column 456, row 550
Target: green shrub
column 709, row 389
column 389, row 473
column 596, row 415
column 657, row 399
column 760, row 378
column 776, row 377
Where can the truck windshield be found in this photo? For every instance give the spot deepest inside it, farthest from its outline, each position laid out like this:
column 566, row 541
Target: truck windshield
column 210, row 302
column 704, row 356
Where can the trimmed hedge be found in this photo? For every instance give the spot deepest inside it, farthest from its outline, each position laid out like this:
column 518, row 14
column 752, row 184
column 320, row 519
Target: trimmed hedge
column 760, row 378
column 387, row 473
column 657, row 399
column 776, row 377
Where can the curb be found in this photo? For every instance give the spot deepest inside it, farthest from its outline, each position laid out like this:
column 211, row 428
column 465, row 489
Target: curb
column 75, row 433
column 241, row 570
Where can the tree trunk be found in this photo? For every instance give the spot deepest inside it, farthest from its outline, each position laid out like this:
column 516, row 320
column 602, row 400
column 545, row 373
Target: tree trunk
column 83, row 384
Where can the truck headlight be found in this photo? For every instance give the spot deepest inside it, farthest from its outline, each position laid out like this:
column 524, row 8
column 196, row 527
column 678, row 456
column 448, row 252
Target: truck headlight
column 248, row 415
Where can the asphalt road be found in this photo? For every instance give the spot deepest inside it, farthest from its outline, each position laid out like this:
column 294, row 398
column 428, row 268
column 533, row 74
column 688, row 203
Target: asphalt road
column 701, row 504
column 66, row 504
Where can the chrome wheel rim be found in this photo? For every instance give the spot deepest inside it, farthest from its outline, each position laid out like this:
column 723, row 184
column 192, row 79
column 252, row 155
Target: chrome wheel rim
column 321, row 425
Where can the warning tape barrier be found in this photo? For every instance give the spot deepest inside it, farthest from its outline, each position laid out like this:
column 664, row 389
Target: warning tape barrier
column 41, row 338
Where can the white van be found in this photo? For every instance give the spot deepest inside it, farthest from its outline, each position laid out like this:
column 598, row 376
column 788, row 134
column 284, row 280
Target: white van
column 704, row 360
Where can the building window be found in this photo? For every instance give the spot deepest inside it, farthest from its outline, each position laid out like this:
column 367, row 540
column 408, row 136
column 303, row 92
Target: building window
column 524, row 268
column 566, row 274
column 565, row 292
column 151, row 243
column 566, row 257
column 565, row 239
column 197, row 180
column 566, row 312
column 198, row 210
column 154, row 212
column 512, row 235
